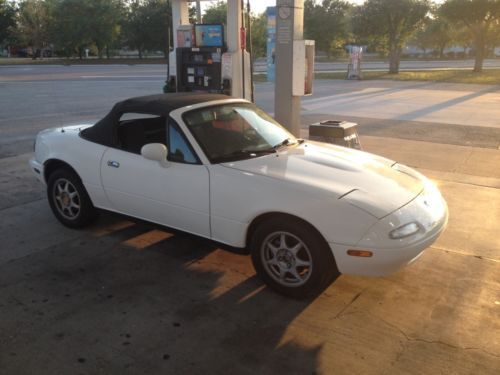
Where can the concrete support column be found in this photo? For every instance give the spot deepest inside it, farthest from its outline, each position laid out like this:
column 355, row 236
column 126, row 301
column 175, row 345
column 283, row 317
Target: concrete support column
column 180, row 16
column 234, row 12
column 289, row 27
column 240, row 60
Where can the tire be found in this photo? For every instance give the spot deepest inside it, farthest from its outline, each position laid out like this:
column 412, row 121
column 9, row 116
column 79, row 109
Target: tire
column 292, row 258
column 69, row 200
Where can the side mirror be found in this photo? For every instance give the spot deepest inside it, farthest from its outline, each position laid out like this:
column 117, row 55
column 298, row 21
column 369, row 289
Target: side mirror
column 157, row 152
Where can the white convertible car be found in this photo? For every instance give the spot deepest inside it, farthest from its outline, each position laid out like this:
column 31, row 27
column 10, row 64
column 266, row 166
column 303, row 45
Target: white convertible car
column 223, row 169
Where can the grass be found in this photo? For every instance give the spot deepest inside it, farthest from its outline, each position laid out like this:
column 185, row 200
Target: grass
column 488, row 76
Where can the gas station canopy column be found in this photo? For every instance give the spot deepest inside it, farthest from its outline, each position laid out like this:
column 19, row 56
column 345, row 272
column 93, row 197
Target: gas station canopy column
column 211, row 59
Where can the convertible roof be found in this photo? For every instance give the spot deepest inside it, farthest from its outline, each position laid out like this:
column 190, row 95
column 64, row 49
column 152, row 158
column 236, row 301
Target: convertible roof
column 104, row 131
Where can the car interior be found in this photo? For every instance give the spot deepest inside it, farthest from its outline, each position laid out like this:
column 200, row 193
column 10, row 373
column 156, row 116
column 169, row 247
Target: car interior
column 222, row 133
column 137, row 132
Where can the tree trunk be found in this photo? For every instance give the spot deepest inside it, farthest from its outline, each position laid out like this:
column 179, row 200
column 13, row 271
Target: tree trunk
column 441, row 52
column 140, row 52
column 394, row 57
column 107, row 52
column 479, row 52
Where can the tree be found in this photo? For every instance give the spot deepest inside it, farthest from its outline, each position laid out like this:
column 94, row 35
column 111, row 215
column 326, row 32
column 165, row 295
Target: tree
column 104, row 28
column 327, row 24
column 436, row 34
column 480, row 17
column 7, row 20
column 216, row 13
column 71, row 29
column 33, row 24
column 147, row 25
column 391, row 23
column 259, row 35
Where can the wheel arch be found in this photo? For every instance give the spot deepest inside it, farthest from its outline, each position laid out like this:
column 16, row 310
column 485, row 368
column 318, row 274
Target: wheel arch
column 52, row 165
column 278, row 215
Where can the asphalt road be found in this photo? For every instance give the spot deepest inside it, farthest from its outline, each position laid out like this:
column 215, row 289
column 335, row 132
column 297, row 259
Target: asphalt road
column 33, row 98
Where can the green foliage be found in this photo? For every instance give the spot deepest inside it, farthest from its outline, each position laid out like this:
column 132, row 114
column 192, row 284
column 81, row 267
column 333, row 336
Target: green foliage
column 7, row 20
column 78, row 25
column 216, row 13
column 480, row 18
column 435, row 34
column 70, row 31
column 259, row 35
column 33, row 24
column 148, row 26
column 327, row 24
column 389, row 24
column 104, row 26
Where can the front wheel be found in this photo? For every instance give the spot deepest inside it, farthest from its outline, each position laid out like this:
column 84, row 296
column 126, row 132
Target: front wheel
column 69, row 200
column 292, row 258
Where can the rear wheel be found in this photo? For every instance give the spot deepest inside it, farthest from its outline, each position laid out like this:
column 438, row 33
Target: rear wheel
column 69, row 200
column 292, row 257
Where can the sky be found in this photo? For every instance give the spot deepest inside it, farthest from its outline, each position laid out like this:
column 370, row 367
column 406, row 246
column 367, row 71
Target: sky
column 259, row 6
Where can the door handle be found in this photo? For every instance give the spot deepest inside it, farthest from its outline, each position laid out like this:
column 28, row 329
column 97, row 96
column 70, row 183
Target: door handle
column 114, row 164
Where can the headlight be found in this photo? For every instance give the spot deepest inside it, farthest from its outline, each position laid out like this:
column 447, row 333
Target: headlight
column 404, row 231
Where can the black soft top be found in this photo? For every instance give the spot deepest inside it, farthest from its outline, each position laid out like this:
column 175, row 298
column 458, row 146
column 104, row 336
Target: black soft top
column 104, row 131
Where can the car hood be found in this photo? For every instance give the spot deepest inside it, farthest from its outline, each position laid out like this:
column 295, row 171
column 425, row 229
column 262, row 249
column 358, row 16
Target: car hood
column 364, row 180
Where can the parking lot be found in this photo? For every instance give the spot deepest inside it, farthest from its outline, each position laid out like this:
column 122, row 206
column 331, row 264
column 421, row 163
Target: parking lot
column 127, row 297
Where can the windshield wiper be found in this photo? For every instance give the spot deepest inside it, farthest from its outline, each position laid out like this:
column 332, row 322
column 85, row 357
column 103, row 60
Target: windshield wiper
column 286, row 142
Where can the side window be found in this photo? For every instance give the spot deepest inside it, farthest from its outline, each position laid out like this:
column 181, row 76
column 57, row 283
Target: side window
column 137, row 129
column 178, row 148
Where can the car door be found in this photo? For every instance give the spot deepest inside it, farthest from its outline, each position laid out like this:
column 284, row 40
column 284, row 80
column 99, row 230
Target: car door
column 175, row 195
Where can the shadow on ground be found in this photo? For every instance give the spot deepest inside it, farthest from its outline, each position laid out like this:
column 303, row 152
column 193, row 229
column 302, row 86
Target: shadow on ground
column 130, row 298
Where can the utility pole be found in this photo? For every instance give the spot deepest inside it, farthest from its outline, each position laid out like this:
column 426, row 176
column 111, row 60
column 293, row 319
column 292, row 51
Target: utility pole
column 198, row 11
column 289, row 27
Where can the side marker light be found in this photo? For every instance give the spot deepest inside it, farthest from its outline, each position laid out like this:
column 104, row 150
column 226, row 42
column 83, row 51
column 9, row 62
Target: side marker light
column 360, row 253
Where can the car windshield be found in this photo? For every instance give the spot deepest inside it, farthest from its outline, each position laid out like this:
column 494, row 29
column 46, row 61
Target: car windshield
column 236, row 131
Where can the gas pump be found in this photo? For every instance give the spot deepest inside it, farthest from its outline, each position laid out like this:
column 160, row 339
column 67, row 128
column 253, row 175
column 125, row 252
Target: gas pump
column 199, row 65
column 208, row 57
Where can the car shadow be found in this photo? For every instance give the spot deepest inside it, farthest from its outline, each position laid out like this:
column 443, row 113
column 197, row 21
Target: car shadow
column 130, row 297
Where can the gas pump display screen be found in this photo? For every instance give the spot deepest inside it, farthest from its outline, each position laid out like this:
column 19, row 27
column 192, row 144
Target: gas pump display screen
column 209, row 35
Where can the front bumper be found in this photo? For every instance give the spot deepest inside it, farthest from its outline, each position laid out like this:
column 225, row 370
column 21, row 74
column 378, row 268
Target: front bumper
column 37, row 169
column 428, row 209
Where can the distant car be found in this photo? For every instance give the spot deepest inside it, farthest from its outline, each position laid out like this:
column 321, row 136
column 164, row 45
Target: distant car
column 223, row 169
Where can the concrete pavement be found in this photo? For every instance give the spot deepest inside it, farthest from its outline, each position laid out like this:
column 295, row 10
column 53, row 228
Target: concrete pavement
column 447, row 103
column 125, row 297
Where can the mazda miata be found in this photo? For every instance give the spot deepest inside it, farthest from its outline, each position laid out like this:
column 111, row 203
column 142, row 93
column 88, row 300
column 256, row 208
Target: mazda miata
column 223, row 169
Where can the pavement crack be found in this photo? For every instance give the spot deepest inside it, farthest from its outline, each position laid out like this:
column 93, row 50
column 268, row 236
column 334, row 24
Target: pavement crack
column 341, row 312
column 481, row 257
column 434, row 342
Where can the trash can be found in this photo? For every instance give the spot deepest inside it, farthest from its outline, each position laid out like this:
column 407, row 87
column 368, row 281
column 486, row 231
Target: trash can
column 341, row 133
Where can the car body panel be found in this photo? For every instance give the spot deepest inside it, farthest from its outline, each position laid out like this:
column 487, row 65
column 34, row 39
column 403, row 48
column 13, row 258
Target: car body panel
column 364, row 180
column 238, row 197
column 65, row 144
column 389, row 255
column 176, row 196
